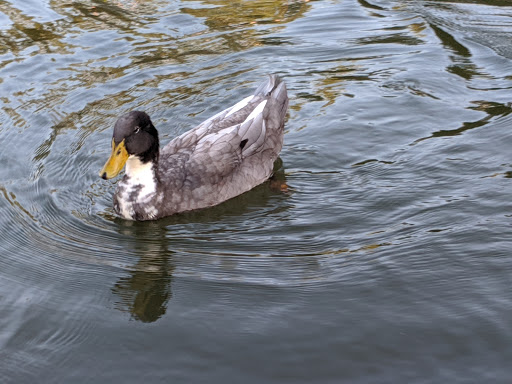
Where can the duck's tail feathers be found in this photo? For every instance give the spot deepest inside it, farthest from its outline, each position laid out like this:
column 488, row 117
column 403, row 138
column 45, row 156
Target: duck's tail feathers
column 275, row 88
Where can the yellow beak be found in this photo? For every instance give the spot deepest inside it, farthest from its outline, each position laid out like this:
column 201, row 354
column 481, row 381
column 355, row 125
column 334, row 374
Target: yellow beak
column 116, row 161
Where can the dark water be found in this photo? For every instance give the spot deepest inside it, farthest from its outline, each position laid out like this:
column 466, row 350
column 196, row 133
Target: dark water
column 387, row 259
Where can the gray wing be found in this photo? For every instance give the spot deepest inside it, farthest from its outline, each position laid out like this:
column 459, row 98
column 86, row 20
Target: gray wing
column 232, row 151
column 273, row 91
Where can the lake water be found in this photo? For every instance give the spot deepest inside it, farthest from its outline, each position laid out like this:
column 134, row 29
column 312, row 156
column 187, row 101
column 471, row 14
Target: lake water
column 381, row 252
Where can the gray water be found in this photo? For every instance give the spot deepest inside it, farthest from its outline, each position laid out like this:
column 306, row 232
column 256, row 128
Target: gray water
column 380, row 252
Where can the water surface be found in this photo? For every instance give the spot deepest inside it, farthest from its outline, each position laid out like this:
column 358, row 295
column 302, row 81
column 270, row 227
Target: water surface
column 385, row 259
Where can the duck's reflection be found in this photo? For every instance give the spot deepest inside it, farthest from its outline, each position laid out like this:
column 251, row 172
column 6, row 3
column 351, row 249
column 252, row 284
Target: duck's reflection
column 146, row 290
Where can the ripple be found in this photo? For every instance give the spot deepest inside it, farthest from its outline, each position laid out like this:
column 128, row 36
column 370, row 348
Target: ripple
column 32, row 340
column 388, row 212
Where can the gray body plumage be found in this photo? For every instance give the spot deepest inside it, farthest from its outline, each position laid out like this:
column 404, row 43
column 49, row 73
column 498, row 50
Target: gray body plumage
column 225, row 156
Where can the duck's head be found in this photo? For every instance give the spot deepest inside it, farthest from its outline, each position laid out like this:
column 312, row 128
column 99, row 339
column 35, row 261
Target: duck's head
column 134, row 135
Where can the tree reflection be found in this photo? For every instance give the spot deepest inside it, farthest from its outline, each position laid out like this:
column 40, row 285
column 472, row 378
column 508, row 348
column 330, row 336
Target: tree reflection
column 224, row 15
column 493, row 110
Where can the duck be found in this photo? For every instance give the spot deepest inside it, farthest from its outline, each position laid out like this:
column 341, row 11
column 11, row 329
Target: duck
column 226, row 155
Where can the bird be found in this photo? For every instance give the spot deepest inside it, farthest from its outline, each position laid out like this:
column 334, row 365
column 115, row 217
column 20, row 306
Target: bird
column 226, row 155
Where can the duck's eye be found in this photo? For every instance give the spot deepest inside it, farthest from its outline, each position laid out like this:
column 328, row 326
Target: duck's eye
column 137, row 129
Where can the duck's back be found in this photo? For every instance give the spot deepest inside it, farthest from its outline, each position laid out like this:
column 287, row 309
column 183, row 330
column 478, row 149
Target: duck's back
column 226, row 155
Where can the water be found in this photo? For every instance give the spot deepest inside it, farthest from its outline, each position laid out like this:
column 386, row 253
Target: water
column 386, row 259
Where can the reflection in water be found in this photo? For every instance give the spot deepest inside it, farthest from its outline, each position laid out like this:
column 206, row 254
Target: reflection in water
column 493, row 110
column 235, row 24
column 146, row 290
column 227, row 15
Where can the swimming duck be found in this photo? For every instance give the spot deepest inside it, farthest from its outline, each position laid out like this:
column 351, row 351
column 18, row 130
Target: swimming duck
column 223, row 157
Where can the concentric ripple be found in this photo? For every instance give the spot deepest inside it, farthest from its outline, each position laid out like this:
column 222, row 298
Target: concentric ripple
column 378, row 252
